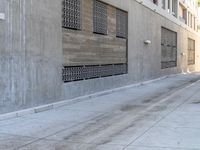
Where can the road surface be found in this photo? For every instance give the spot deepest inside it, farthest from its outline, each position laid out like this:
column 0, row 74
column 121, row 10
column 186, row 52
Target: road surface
column 161, row 115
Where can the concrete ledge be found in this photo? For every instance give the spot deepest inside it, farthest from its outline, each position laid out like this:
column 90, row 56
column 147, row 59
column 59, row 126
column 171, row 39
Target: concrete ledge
column 75, row 100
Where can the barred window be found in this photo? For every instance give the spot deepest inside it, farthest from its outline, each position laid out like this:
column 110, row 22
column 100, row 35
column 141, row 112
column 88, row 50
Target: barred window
column 155, row 2
column 71, row 14
column 191, row 52
column 168, row 48
column 121, row 22
column 100, row 17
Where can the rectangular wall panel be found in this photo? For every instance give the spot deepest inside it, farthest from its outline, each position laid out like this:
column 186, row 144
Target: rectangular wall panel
column 89, row 55
column 168, row 48
column 191, row 52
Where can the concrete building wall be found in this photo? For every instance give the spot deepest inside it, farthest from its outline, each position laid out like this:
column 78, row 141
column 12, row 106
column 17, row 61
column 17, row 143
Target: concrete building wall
column 32, row 53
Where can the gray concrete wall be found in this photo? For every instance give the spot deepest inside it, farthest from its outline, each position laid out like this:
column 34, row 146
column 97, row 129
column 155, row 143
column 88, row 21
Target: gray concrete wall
column 32, row 55
column 31, row 44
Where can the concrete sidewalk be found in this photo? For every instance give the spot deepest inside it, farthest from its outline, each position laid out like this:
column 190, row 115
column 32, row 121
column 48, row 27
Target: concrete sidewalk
column 162, row 115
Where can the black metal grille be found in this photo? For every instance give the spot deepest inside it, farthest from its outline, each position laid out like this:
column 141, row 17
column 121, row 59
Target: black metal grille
column 100, row 17
column 121, row 22
column 191, row 52
column 71, row 14
column 168, row 64
column 75, row 73
column 168, row 48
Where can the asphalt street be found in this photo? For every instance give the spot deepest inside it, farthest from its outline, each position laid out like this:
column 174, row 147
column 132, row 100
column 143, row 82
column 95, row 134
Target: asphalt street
column 160, row 115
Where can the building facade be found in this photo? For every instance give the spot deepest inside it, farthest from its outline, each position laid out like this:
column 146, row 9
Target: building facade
column 65, row 49
column 185, row 11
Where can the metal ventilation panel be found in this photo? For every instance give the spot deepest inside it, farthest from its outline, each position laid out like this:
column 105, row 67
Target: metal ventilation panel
column 100, row 17
column 121, row 23
column 75, row 73
column 71, row 14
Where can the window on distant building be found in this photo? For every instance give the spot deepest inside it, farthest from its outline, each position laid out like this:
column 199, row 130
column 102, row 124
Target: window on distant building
column 174, row 8
column 163, row 4
column 168, row 7
column 188, row 19
column 71, row 14
column 100, row 17
column 155, row 2
column 121, row 23
column 168, row 48
column 191, row 52
column 191, row 20
column 182, row 14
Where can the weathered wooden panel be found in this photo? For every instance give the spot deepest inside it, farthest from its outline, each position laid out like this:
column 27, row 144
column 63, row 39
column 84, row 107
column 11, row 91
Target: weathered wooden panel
column 83, row 47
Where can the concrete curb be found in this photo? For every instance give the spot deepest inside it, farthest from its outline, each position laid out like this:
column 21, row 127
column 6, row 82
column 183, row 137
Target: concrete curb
column 51, row 106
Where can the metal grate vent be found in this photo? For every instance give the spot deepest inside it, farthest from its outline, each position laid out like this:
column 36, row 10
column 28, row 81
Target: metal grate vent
column 168, row 48
column 75, row 73
column 122, row 23
column 71, row 14
column 100, row 17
